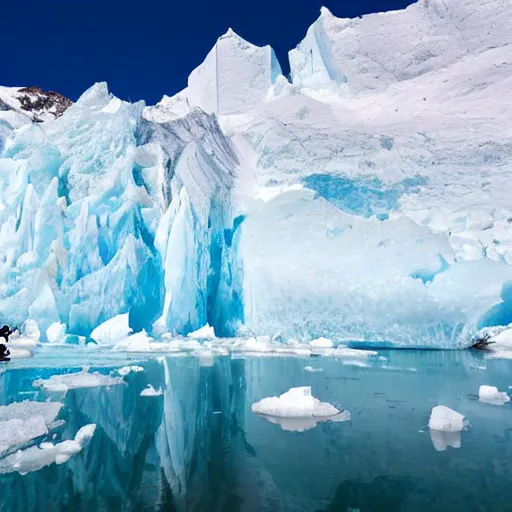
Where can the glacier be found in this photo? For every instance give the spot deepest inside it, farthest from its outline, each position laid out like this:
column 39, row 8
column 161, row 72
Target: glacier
column 364, row 199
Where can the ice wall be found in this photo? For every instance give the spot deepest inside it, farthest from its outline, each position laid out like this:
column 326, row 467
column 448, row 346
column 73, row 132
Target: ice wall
column 367, row 201
column 367, row 54
column 235, row 76
column 105, row 212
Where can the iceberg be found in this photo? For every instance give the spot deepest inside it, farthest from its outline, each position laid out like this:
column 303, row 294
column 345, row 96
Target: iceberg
column 82, row 379
column 22, row 422
column 445, row 419
column 445, row 426
column 491, row 395
column 38, row 457
column 364, row 200
column 295, row 403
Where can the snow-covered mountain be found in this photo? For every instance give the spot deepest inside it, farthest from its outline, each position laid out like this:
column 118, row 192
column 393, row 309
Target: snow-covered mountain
column 33, row 102
column 366, row 199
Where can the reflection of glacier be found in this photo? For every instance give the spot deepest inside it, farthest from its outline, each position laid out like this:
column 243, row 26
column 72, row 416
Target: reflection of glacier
column 200, row 447
column 365, row 200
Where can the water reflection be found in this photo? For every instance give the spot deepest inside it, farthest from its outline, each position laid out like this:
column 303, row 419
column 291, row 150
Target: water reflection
column 441, row 439
column 199, row 447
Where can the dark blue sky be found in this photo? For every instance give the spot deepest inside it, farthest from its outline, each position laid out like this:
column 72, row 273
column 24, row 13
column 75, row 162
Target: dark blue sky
column 147, row 48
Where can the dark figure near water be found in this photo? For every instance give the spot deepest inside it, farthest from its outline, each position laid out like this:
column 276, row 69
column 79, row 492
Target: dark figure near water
column 5, row 332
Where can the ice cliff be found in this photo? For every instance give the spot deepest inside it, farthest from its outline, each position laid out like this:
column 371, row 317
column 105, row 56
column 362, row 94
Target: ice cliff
column 365, row 200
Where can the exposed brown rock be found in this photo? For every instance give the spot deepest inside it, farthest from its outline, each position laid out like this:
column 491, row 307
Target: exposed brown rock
column 34, row 99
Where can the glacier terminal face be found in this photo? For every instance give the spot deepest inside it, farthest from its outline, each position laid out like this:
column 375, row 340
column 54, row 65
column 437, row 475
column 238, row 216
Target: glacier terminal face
column 365, row 200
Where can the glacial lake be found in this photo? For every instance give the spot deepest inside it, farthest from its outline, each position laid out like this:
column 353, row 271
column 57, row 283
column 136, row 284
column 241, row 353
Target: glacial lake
column 197, row 445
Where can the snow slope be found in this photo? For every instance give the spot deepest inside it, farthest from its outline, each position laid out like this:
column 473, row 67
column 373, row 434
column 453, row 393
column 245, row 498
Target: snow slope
column 365, row 200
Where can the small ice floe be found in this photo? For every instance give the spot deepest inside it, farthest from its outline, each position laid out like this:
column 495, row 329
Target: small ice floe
column 252, row 346
column 22, row 422
column 495, row 341
column 445, row 427
column 151, row 391
column 321, row 343
column 37, row 457
column 126, row 370
column 204, row 333
column 81, row 379
column 353, row 353
column 491, row 395
column 354, row 362
column 138, row 342
column 298, row 410
column 312, row 369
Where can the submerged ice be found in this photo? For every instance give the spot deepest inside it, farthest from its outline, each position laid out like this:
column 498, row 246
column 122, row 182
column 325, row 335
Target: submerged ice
column 364, row 201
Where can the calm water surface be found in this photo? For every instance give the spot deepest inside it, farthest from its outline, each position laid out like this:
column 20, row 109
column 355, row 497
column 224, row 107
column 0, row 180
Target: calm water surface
column 199, row 447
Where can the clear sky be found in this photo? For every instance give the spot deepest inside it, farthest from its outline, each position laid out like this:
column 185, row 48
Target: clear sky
column 145, row 48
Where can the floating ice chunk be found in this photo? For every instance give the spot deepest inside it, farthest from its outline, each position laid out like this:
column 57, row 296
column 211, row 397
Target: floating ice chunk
column 359, row 364
column 36, row 458
column 126, row 370
column 21, row 422
column 312, row 369
column 253, row 345
column 205, row 332
column 28, row 409
column 491, row 395
column 295, row 403
column 503, row 339
column 500, row 342
column 31, row 330
column 445, row 426
column 112, row 331
column 81, row 379
column 441, row 440
column 56, row 332
column 445, row 419
column 17, row 432
column 66, row 450
column 151, row 391
column 139, row 342
column 321, row 343
column 85, row 434
column 355, row 353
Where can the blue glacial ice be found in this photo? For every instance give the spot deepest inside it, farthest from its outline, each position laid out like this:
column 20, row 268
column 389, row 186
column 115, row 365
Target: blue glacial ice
column 365, row 201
